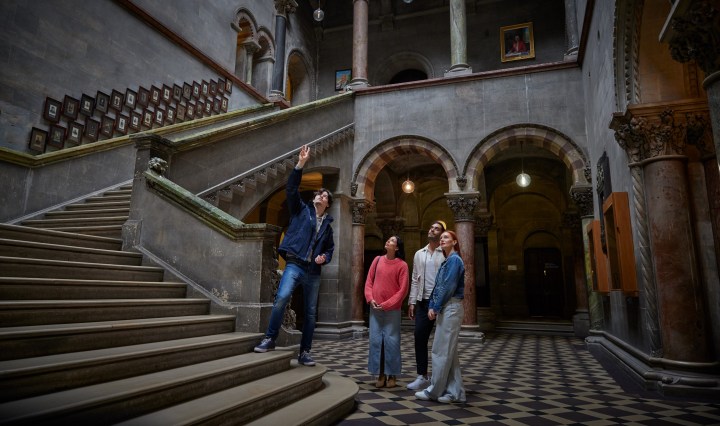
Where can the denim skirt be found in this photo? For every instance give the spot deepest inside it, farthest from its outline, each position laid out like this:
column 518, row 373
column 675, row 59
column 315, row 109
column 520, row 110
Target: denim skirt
column 385, row 332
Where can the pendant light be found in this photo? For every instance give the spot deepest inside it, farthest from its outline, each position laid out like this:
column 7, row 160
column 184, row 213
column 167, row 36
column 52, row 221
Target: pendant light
column 523, row 179
column 408, row 186
column 318, row 15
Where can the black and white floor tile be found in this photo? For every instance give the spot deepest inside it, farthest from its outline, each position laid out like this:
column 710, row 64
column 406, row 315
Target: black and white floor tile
column 511, row 379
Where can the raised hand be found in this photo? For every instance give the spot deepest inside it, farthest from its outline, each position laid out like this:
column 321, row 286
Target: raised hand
column 303, row 156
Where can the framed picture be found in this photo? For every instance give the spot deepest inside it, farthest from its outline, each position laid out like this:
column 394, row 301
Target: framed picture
column 177, row 92
column 102, row 102
column 159, row 116
column 92, row 129
column 166, row 93
column 116, row 100
column 130, row 99
column 122, row 124
column 517, row 42
column 224, row 104
column 204, row 88
column 75, row 132
column 190, row 113
column 196, row 90
column 52, row 110
column 155, row 95
column 143, row 96
column 70, row 107
column 148, row 116
column 170, row 115
column 38, row 138
column 221, row 86
column 87, row 105
column 342, row 78
column 213, row 88
column 108, row 125
column 135, row 120
column 216, row 105
column 208, row 107
column 57, row 136
column 180, row 114
column 199, row 109
column 186, row 91
column 228, row 86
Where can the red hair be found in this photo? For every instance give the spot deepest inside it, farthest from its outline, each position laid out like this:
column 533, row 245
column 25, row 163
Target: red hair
column 454, row 237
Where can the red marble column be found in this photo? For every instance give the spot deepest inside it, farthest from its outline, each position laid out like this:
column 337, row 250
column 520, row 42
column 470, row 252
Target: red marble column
column 360, row 43
column 360, row 208
column 712, row 180
column 463, row 207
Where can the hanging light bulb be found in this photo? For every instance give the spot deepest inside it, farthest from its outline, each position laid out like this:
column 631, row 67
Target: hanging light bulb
column 408, row 1
column 318, row 15
column 408, row 186
column 523, row 179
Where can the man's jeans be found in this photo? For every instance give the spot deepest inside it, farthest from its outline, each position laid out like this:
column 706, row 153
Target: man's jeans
column 423, row 328
column 296, row 274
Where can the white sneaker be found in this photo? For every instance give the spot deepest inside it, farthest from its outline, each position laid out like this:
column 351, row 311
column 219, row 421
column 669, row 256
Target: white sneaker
column 423, row 395
column 420, row 383
column 448, row 399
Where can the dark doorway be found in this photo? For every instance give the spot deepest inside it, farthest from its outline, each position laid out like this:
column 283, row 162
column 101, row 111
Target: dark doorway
column 408, row 75
column 544, row 282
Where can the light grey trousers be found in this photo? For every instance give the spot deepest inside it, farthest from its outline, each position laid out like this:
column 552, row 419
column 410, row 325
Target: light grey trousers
column 446, row 376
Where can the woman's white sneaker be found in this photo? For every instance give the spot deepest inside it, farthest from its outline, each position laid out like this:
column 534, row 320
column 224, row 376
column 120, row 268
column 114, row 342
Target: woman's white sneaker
column 420, row 383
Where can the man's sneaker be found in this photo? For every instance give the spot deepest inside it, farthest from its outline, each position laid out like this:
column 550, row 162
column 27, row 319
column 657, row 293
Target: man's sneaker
column 448, row 399
column 422, row 395
column 305, row 359
column 266, row 345
column 420, row 383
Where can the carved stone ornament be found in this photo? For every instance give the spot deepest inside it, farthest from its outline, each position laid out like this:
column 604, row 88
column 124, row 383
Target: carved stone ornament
column 285, row 6
column 463, row 206
column 360, row 210
column 647, row 137
column 583, row 198
column 696, row 35
column 461, row 181
column 353, row 189
column 599, row 178
column 699, row 134
column 157, row 165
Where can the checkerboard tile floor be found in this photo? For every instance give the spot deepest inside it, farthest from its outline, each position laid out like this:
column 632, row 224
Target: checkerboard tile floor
column 511, row 379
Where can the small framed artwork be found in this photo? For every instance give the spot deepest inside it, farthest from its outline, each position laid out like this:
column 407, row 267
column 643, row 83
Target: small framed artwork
column 213, row 88
column 38, row 139
column 122, row 124
column 342, row 78
column 180, row 114
column 216, row 105
column 148, row 116
column 221, row 86
column 143, row 96
column 166, row 93
column 92, row 129
column 517, row 42
column 224, row 104
column 102, row 102
column 190, row 113
column 57, row 136
column 204, row 88
column 170, row 115
column 159, row 116
column 135, row 120
column 70, row 107
column 116, row 100
column 186, row 91
column 228, row 86
column 87, row 105
column 52, row 110
column 75, row 132
column 208, row 107
column 199, row 109
column 155, row 95
column 108, row 125
column 177, row 92
column 196, row 90
column 130, row 99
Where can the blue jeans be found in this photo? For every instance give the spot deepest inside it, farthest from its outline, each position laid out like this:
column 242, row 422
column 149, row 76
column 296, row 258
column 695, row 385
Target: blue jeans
column 296, row 274
column 384, row 342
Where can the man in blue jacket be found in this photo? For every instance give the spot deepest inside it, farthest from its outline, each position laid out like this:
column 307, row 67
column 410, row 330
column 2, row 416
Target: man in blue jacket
column 308, row 244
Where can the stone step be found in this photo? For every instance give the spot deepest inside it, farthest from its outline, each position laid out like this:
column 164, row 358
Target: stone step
column 34, row 250
column 111, row 402
column 119, row 191
column 107, row 198
column 19, row 288
column 240, row 403
column 42, row 340
column 326, row 406
column 88, row 213
column 17, row 313
column 98, row 205
column 556, row 328
column 110, row 231
column 27, row 377
column 51, row 236
column 78, row 222
column 40, row 268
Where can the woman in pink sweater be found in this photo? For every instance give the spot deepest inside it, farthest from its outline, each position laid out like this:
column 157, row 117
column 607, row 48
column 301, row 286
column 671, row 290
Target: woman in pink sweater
column 385, row 289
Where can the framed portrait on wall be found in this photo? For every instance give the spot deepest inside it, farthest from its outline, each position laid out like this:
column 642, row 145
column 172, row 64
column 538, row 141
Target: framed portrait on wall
column 71, row 107
column 108, row 125
column 180, row 115
column 196, row 90
column 190, row 113
column 52, row 110
column 228, row 86
column 75, row 132
column 92, row 129
column 155, row 95
column 187, row 91
column 57, row 136
column 135, row 121
column 221, row 86
column 148, row 116
column 342, row 78
column 177, row 92
column 143, row 96
column 102, row 101
column 122, row 124
column 87, row 105
column 167, row 93
column 38, row 138
column 116, row 100
column 130, row 99
column 517, row 42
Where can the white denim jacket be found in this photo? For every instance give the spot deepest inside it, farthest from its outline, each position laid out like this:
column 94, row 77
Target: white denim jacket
column 417, row 281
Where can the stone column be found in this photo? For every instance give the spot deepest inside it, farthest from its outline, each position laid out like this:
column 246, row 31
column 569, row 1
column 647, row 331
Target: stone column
column 360, row 209
column 360, row 44
column 571, row 30
column 250, row 49
column 282, row 7
column 463, row 206
column 583, row 198
column 458, row 39
column 656, row 142
column 485, row 314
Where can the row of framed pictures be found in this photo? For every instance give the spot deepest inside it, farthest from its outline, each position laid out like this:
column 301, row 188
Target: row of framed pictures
column 128, row 113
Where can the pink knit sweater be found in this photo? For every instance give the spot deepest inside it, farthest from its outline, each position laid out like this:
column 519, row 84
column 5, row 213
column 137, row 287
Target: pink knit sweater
column 388, row 283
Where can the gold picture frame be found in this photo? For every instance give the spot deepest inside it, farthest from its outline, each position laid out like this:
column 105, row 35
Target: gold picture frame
column 517, row 42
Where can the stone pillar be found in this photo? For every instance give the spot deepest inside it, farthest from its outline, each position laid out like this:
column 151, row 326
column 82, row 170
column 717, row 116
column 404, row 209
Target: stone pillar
column 463, row 206
column 360, row 44
column 360, row 209
column 583, row 198
column 656, row 141
column 282, row 7
column 485, row 314
column 458, row 39
column 571, row 30
column 250, row 49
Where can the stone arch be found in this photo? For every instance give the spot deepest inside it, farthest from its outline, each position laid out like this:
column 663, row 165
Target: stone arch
column 298, row 89
column 390, row 66
column 533, row 135
column 263, row 61
column 246, row 44
column 374, row 161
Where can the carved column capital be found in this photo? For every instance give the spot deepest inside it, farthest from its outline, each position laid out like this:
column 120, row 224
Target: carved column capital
column 360, row 209
column 583, row 198
column 482, row 224
column 463, row 205
column 284, row 7
column 695, row 32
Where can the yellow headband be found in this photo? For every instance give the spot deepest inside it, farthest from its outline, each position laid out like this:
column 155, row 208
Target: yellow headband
column 442, row 223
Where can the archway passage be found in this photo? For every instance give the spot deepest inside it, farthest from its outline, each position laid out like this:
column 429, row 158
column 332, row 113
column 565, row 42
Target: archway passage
column 408, row 75
column 544, row 282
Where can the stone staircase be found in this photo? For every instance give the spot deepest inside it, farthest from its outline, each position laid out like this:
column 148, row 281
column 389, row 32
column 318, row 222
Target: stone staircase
column 92, row 335
column 539, row 326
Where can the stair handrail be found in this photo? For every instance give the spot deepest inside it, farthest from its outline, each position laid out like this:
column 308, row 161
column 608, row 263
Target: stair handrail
column 277, row 160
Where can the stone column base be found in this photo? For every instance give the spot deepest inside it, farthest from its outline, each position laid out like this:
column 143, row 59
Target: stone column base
column 471, row 333
column 334, row 330
column 486, row 319
column 459, row 69
column 581, row 323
